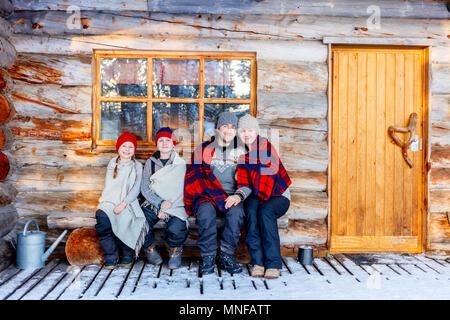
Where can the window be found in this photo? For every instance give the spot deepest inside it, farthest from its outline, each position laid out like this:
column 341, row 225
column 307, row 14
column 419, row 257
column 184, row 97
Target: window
column 142, row 91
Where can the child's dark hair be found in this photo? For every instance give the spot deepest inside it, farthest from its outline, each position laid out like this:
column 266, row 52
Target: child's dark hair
column 117, row 163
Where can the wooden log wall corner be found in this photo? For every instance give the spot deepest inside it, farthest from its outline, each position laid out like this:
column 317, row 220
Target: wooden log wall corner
column 8, row 212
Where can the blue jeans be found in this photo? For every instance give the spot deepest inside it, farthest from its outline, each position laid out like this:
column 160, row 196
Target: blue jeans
column 108, row 241
column 207, row 228
column 262, row 238
column 176, row 231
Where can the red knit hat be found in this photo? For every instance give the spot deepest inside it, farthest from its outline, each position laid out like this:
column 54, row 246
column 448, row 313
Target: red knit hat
column 125, row 137
column 165, row 132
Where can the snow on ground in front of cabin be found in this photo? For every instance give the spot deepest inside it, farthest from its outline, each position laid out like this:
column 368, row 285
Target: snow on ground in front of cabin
column 405, row 282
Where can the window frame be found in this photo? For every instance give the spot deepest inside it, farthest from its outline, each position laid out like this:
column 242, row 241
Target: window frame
column 149, row 99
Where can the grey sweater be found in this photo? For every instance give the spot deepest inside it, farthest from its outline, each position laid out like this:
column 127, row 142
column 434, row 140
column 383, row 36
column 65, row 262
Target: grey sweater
column 223, row 166
column 148, row 194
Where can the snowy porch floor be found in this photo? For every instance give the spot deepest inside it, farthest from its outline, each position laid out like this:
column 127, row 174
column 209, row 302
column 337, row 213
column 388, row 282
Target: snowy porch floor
column 340, row 276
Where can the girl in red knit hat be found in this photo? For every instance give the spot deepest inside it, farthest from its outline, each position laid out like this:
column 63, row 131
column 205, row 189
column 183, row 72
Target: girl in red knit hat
column 120, row 220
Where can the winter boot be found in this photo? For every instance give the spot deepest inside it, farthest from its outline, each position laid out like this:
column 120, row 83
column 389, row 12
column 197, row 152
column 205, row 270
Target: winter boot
column 272, row 273
column 257, row 271
column 109, row 265
column 152, row 255
column 207, row 265
column 227, row 262
column 175, row 257
column 126, row 261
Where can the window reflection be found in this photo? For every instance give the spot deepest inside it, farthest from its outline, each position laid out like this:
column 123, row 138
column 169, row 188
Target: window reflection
column 227, row 79
column 116, row 117
column 179, row 116
column 123, row 77
column 212, row 111
column 177, row 78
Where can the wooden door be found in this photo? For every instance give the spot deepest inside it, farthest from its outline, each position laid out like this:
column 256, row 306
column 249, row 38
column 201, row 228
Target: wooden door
column 376, row 198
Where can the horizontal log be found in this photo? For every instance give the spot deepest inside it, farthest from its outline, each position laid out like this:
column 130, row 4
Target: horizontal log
column 273, row 105
column 8, row 193
column 307, row 181
column 8, row 55
column 308, row 206
column 312, row 124
column 439, row 248
column 440, row 54
column 440, row 133
column 439, row 178
column 439, row 107
column 290, row 7
column 303, row 155
column 46, row 99
column 440, row 200
column 40, row 204
column 440, row 75
column 52, row 69
column 304, row 232
column 288, row 76
column 262, row 26
column 440, row 155
column 8, row 219
column 439, row 228
column 64, row 127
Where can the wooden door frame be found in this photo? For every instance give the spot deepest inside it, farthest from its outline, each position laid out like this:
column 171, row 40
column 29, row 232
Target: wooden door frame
column 424, row 212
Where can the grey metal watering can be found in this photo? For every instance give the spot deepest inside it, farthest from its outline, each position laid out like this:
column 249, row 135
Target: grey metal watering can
column 31, row 246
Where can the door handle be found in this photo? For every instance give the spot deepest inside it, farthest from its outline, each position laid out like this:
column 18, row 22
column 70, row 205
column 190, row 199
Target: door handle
column 412, row 122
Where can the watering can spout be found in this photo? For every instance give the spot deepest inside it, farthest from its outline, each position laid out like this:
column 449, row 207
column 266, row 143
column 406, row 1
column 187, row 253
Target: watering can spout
column 53, row 246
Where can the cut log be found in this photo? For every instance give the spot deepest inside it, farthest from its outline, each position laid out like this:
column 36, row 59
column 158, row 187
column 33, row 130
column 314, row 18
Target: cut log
column 439, row 228
column 307, row 181
column 6, row 8
column 440, row 133
column 5, row 28
column 83, row 248
column 5, row 109
column 8, row 55
column 6, row 82
column 8, row 219
column 440, row 155
column 7, row 193
column 6, row 254
column 4, row 166
column 2, row 139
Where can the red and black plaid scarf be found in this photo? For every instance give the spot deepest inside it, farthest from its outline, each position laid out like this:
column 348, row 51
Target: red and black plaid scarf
column 262, row 170
column 200, row 184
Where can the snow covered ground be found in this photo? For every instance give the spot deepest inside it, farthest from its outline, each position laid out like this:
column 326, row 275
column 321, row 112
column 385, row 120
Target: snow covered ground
column 387, row 276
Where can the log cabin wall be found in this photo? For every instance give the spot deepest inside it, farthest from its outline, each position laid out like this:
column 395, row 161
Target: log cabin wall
column 58, row 175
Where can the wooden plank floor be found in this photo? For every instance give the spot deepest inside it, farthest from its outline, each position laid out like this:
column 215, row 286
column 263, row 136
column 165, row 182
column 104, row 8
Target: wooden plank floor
column 60, row 281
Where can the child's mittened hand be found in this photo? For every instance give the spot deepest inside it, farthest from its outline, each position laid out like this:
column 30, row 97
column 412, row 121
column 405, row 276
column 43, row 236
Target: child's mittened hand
column 119, row 208
column 166, row 205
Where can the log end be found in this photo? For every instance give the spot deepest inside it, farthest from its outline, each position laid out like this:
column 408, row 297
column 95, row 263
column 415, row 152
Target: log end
column 83, row 248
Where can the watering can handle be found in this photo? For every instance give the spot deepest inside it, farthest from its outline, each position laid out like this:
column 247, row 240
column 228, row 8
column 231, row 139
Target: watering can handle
column 26, row 226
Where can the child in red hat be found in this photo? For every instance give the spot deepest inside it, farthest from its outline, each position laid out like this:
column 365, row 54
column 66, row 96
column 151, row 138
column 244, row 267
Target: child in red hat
column 162, row 187
column 120, row 220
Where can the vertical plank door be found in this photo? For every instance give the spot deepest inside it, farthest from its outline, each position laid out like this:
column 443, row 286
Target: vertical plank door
column 376, row 198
